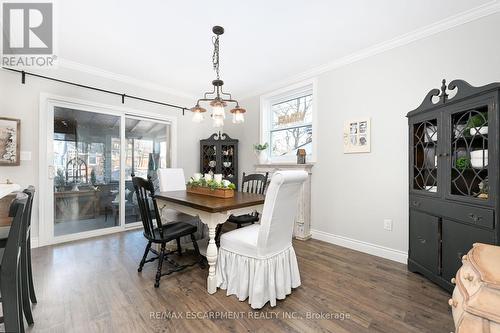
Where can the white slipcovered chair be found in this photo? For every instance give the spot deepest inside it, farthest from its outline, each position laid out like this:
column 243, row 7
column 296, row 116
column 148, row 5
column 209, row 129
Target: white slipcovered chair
column 258, row 262
column 173, row 179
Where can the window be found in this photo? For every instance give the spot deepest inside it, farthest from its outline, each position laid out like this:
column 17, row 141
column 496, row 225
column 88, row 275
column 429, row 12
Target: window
column 287, row 122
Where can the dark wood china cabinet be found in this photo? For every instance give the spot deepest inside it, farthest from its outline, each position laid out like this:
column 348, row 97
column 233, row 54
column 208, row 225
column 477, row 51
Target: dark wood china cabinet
column 219, row 155
column 453, row 185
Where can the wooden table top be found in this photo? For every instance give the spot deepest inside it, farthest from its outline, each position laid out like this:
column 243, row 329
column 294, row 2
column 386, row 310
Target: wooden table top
column 212, row 204
column 6, row 189
column 5, row 220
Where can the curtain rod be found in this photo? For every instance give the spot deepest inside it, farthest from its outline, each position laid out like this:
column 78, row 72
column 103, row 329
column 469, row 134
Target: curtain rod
column 123, row 96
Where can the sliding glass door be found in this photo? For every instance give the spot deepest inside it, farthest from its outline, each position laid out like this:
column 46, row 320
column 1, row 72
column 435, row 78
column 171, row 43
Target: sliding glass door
column 91, row 154
column 148, row 148
column 86, row 161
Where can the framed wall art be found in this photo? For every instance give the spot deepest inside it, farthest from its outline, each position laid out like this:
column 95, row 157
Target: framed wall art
column 10, row 141
column 357, row 136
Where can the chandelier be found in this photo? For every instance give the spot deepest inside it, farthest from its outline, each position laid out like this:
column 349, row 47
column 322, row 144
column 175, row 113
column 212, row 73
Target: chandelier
column 217, row 99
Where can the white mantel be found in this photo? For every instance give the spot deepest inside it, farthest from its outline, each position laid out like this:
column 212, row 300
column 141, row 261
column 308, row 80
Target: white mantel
column 302, row 228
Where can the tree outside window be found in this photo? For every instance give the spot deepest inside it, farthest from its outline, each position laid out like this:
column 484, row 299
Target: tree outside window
column 291, row 126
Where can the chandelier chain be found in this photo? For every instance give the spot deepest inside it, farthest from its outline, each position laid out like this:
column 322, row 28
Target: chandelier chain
column 215, row 56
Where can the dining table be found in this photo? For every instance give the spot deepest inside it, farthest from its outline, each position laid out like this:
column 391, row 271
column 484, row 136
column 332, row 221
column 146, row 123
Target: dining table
column 6, row 196
column 212, row 211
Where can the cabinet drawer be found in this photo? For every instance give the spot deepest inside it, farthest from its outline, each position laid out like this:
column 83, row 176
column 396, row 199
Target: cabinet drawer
column 424, row 240
column 473, row 215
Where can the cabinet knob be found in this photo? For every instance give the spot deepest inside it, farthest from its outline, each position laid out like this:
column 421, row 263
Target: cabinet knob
column 421, row 240
column 469, row 277
column 453, row 281
column 452, row 302
column 474, row 217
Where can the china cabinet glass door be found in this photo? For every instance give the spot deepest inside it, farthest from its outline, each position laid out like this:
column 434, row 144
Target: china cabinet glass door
column 209, row 159
column 425, row 139
column 469, row 168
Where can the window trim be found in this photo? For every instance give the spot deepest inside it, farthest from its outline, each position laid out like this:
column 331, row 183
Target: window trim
column 282, row 95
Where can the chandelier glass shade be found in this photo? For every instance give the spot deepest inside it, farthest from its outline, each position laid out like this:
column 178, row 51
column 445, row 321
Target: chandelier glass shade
column 217, row 98
column 238, row 115
column 198, row 113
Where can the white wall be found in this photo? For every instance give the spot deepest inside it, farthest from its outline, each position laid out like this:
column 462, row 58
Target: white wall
column 352, row 194
column 22, row 102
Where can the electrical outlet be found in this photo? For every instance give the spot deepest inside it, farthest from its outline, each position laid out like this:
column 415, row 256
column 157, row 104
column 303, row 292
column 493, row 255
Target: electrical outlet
column 388, row 224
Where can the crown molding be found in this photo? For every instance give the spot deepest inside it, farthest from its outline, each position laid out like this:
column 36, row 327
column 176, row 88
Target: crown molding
column 99, row 72
column 473, row 14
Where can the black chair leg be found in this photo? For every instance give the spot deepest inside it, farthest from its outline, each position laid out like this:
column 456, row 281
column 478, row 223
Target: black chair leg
column 20, row 303
column 144, row 257
column 30, row 274
column 201, row 260
column 26, row 305
column 160, row 263
column 179, row 249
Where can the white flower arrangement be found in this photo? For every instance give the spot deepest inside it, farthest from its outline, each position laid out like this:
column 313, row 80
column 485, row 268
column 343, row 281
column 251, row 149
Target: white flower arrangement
column 208, row 181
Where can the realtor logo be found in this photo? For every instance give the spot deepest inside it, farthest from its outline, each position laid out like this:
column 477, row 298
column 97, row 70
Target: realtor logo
column 28, row 30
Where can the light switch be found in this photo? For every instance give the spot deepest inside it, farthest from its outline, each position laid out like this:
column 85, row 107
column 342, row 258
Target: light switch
column 388, row 224
column 25, row 156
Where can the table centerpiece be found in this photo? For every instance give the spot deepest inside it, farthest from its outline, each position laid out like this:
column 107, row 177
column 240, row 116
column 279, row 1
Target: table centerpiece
column 210, row 185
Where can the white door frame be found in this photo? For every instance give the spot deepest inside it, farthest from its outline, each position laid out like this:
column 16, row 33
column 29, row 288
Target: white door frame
column 46, row 170
column 124, row 157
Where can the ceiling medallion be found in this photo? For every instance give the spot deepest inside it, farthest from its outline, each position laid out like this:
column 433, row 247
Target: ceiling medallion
column 217, row 99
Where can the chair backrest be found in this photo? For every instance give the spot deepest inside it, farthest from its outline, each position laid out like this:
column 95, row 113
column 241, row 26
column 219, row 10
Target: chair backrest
column 30, row 192
column 172, row 179
column 280, row 210
column 254, row 183
column 145, row 193
column 10, row 260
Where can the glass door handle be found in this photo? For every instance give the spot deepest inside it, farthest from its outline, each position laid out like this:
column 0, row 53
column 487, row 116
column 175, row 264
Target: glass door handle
column 52, row 172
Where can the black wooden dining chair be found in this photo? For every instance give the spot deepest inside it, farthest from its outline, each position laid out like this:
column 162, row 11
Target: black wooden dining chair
column 27, row 287
column 26, row 276
column 159, row 233
column 253, row 183
column 10, row 269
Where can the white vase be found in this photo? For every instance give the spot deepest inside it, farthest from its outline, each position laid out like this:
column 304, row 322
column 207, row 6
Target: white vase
column 262, row 156
column 479, row 130
column 479, row 159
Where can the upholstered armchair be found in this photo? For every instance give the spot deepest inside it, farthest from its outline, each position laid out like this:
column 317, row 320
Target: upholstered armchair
column 258, row 262
column 173, row 179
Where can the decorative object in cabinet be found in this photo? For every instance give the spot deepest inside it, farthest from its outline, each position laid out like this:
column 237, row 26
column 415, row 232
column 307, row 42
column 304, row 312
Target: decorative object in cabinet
column 453, row 184
column 219, row 155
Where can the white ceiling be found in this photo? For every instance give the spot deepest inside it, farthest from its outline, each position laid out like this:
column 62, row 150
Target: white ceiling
column 168, row 43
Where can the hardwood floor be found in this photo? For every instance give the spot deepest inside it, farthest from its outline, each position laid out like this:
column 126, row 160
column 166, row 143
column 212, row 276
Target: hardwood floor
column 93, row 286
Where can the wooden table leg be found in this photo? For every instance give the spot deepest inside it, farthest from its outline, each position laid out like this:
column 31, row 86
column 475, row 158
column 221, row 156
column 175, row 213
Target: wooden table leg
column 211, row 220
column 212, row 256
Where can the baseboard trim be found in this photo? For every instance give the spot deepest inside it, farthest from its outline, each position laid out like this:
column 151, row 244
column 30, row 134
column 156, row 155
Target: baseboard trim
column 354, row 244
column 34, row 242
